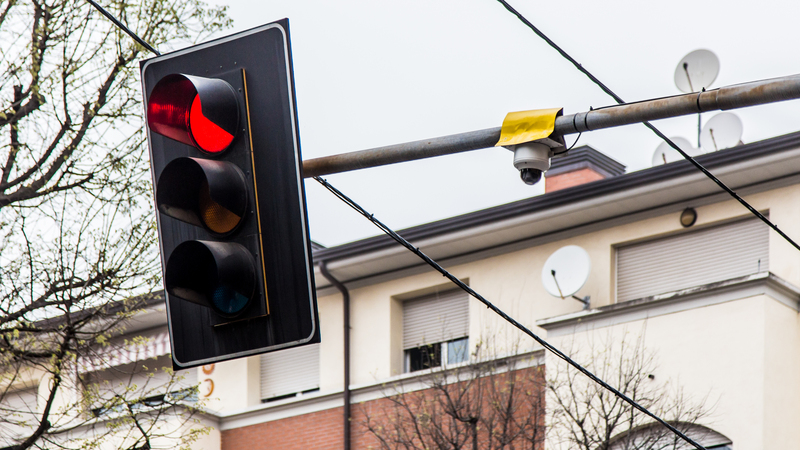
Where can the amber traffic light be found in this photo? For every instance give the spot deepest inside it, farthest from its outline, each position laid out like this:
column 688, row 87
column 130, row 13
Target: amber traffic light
column 203, row 192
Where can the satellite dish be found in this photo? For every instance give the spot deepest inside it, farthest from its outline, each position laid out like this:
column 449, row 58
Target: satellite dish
column 696, row 71
column 566, row 271
column 666, row 154
column 723, row 131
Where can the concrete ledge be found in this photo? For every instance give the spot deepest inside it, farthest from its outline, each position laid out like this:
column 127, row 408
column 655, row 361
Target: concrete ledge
column 763, row 283
column 320, row 401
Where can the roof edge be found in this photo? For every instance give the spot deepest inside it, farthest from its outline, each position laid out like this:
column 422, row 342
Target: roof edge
column 563, row 197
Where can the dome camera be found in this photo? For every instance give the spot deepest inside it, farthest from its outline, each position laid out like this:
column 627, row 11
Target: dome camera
column 532, row 159
column 530, row 176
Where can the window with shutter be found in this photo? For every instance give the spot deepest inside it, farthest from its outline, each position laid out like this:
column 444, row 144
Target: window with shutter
column 146, row 384
column 435, row 330
column 692, row 259
column 20, row 414
column 289, row 372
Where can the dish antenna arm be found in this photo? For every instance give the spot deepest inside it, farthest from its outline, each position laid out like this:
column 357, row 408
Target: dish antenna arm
column 585, row 300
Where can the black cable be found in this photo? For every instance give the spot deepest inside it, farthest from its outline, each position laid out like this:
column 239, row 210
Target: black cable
column 650, row 126
column 400, row 240
column 123, row 27
column 571, row 146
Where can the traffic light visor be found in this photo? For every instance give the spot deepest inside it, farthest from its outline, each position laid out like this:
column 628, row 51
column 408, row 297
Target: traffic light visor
column 197, row 111
column 218, row 275
column 203, row 192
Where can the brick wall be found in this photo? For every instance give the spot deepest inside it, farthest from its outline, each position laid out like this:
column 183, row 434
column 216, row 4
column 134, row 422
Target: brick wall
column 323, row 430
column 319, row 431
column 569, row 179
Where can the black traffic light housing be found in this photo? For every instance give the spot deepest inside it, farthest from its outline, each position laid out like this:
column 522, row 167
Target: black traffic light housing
column 230, row 204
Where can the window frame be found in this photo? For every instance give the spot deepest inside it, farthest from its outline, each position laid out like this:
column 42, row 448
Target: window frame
column 443, row 352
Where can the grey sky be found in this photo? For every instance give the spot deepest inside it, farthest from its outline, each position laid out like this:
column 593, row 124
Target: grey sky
column 372, row 73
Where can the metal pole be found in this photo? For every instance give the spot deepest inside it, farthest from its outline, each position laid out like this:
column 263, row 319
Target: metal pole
column 731, row 97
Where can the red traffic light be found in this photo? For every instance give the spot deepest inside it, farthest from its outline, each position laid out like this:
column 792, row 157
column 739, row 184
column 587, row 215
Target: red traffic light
column 197, row 111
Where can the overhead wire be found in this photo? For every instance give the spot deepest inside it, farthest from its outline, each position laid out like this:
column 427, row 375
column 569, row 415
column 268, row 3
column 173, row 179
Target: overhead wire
column 428, row 260
column 122, row 27
column 464, row 286
column 655, row 130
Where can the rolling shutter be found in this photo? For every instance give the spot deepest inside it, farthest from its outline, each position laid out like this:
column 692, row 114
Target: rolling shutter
column 122, row 352
column 289, row 371
column 435, row 318
column 692, row 259
column 18, row 403
column 20, row 415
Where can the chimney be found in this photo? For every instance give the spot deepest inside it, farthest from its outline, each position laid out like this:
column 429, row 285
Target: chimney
column 580, row 166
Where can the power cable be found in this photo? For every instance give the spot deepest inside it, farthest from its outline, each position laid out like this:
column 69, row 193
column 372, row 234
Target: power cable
column 400, row 240
column 655, row 130
column 465, row 287
column 122, row 27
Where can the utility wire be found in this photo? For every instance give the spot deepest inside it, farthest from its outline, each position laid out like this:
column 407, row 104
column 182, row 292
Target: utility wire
column 465, row 287
column 594, row 79
column 655, row 130
column 400, row 240
column 564, row 54
column 121, row 26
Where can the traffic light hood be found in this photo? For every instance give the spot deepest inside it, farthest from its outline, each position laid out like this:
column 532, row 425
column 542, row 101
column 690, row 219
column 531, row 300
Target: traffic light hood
column 196, row 111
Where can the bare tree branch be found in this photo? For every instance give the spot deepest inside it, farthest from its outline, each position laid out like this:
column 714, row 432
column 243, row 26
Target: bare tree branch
column 489, row 404
column 78, row 236
column 587, row 418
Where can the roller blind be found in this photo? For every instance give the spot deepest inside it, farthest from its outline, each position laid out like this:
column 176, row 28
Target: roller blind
column 435, row 318
column 289, row 371
column 21, row 414
column 20, row 402
column 692, row 259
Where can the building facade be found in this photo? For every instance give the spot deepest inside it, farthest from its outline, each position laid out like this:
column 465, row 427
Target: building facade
column 716, row 301
column 715, row 297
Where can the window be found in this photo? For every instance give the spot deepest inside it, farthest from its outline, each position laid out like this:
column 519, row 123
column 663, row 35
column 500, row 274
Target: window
column 654, row 435
column 435, row 329
column 188, row 395
column 287, row 373
column 428, row 356
column 692, row 259
column 20, row 411
column 144, row 384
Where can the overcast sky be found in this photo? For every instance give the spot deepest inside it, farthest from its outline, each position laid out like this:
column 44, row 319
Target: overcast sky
column 374, row 73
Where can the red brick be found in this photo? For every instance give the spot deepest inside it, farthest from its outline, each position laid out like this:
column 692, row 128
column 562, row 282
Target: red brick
column 569, row 179
column 323, row 430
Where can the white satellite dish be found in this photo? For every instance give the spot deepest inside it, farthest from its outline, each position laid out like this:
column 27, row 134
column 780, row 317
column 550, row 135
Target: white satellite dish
column 666, row 154
column 723, row 131
column 696, row 71
column 566, row 271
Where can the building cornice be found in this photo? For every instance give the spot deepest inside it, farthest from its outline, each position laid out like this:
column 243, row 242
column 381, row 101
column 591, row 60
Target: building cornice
column 750, row 168
column 321, row 401
column 763, row 283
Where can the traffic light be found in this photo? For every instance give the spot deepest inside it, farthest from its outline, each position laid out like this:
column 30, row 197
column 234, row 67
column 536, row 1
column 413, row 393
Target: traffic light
column 230, row 204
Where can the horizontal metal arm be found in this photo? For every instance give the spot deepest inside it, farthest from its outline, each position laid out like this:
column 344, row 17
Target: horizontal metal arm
column 731, row 97
column 410, row 151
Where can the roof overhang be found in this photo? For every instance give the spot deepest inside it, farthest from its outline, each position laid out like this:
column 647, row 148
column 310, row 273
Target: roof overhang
column 748, row 286
column 749, row 169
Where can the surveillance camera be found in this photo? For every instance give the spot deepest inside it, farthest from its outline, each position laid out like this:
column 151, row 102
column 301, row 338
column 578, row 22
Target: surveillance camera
column 531, row 159
column 530, row 176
